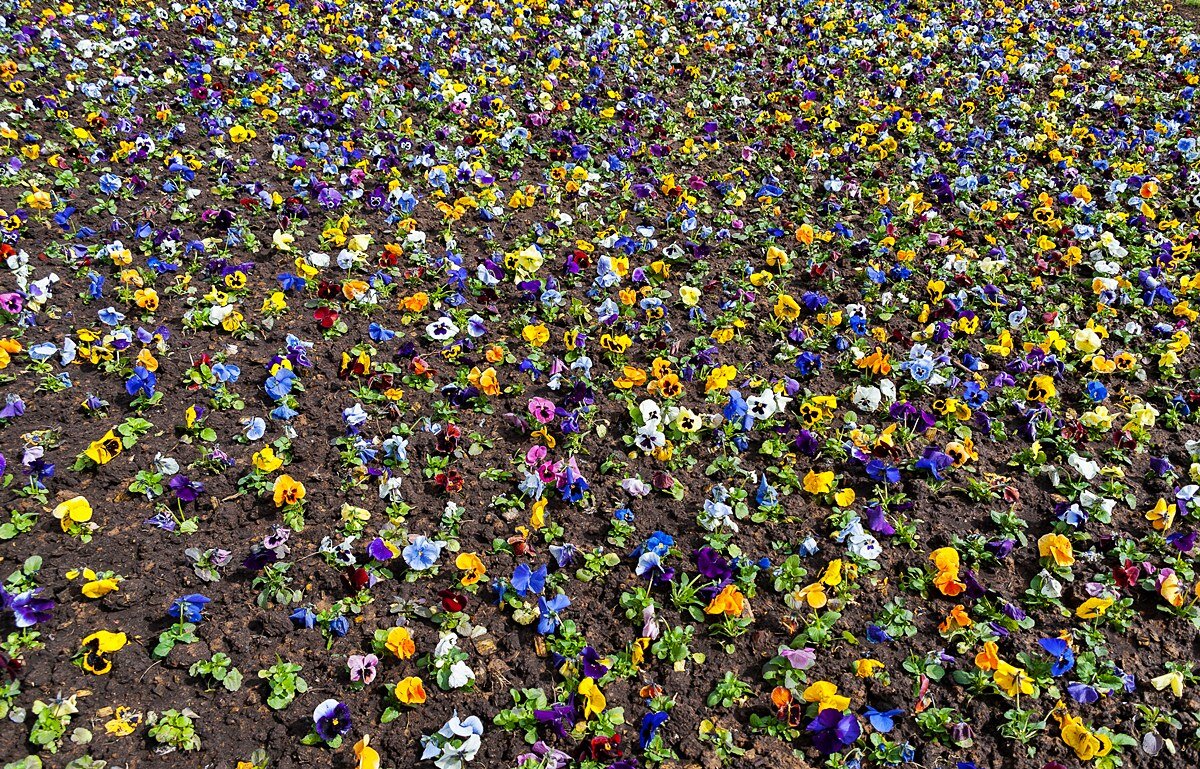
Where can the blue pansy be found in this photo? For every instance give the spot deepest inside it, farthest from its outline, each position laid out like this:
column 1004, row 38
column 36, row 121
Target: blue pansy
column 882, row 721
column 279, row 384
column 1064, row 658
column 422, row 553
column 303, row 617
column 650, row 725
column 190, row 607
column 526, row 580
column 339, row 626
column 255, row 428
column 379, row 333
column 549, row 610
column 142, row 382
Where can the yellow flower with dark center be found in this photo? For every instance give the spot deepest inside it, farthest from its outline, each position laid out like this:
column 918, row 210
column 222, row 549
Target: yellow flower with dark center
column 1041, row 388
column 617, row 344
column 97, row 648
column 1162, row 516
column 1086, row 743
column 359, row 365
column 239, row 134
column 288, row 491
column 786, row 308
column 669, row 386
column 232, row 321
column 472, row 566
column 146, row 298
column 102, row 451
column 124, row 722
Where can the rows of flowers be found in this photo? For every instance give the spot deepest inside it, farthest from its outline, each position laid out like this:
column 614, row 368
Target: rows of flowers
column 610, row 384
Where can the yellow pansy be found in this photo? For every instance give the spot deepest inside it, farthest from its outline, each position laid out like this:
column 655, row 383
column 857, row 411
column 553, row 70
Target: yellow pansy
column 537, row 335
column 786, row 308
column 1056, row 547
column 124, row 722
column 1093, row 608
column 102, row 451
column 287, row 491
column 368, row 757
column 400, row 642
column 472, row 566
column 96, row 586
column 266, row 461
column 96, row 649
column 1012, row 680
column 74, row 510
column 866, row 668
column 410, row 691
column 593, row 699
column 824, row 693
column 729, row 602
column 819, row 483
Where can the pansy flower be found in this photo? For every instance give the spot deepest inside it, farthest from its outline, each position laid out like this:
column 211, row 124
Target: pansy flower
column 96, row 651
column 331, row 720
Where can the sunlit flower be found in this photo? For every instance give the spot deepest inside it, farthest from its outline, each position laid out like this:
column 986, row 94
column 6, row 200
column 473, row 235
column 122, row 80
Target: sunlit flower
column 400, row 642
column 410, row 691
column 287, row 491
column 74, row 510
column 97, row 650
